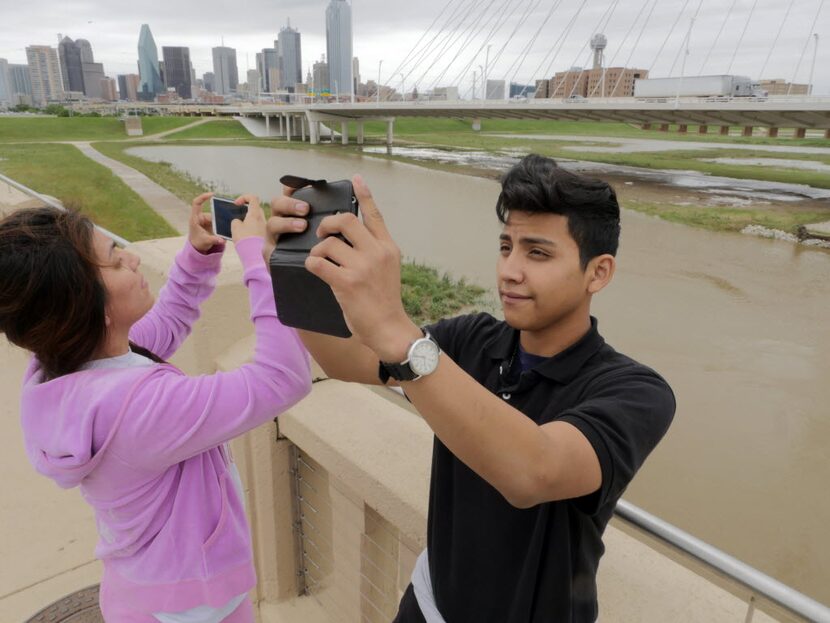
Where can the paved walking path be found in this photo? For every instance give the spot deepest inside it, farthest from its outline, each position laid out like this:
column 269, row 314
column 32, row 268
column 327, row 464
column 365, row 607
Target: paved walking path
column 152, row 137
column 166, row 204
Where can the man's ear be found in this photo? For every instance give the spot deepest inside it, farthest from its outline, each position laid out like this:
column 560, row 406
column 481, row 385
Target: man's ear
column 600, row 271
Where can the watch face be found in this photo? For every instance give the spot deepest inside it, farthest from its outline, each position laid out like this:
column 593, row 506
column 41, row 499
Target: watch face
column 423, row 358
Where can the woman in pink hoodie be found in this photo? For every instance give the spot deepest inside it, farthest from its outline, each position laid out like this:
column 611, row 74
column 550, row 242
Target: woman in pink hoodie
column 144, row 442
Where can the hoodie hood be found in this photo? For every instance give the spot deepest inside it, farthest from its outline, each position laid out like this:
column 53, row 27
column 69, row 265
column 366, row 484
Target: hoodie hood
column 66, row 428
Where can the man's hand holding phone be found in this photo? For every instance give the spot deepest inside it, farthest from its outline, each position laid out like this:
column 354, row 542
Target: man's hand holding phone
column 287, row 218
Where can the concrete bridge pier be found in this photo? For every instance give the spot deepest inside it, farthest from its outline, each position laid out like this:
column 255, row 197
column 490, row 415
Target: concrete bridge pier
column 703, row 129
column 748, row 130
column 827, row 134
column 281, row 128
column 360, row 133
column 800, row 132
column 302, row 127
column 772, row 132
column 288, row 128
column 314, row 132
column 344, row 132
column 390, row 129
column 682, row 128
column 267, row 125
column 724, row 130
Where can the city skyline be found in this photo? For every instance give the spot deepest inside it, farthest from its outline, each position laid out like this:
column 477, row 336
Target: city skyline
column 381, row 32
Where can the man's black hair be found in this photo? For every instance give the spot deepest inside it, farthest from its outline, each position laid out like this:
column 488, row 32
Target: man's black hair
column 537, row 185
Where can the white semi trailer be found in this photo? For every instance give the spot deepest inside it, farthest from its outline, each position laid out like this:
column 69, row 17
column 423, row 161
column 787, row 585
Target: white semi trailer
column 698, row 86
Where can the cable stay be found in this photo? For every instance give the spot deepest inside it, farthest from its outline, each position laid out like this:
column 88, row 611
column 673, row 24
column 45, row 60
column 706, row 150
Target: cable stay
column 806, row 43
column 619, row 49
column 741, row 38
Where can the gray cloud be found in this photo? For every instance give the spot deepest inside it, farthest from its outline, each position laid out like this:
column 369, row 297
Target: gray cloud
column 387, row 30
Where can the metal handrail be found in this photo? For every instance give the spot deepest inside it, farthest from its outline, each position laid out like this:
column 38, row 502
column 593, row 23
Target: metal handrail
column 121, row 242
column 758, row 582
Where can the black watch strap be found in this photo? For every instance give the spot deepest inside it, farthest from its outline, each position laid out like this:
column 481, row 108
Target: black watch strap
column 397, row 371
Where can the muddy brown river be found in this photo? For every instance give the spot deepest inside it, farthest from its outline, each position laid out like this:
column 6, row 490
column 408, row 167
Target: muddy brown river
column 738, row 325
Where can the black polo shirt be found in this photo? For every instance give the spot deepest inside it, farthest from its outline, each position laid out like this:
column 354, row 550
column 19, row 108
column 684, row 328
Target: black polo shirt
column 492, row 562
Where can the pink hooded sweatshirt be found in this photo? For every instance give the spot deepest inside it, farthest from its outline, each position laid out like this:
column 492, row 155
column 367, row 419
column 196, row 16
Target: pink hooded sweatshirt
column 145, row 444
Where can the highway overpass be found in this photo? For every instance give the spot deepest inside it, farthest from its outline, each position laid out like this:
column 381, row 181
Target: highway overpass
column 800, row 113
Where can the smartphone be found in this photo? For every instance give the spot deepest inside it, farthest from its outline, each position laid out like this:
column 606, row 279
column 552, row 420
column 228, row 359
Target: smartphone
column 223, row 212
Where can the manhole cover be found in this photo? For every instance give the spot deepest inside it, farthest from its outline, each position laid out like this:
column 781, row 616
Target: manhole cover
column 79, row 607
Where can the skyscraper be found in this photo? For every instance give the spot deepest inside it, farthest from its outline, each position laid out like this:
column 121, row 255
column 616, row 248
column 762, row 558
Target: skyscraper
column 71, row 66
column 320, row 76
column 108, row 90
column 128, row 87
column 93, row 75
column 270, row 69
column 339, row 46
column 148, row 65
column 21, row 83
column 177, row 71
column 225, row 71
column 5, row 83
column 291, row 61
column 253, row 81
column 44, row 69
column 86, row 50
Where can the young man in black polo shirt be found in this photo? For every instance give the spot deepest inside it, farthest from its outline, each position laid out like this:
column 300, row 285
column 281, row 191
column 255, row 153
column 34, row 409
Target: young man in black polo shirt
column 539, row 424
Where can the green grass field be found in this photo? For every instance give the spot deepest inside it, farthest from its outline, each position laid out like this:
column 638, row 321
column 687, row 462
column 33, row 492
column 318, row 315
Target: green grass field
column 79, row 183
column 689, row 160
column 405, row 127
column 217, row 128
column 721, row 218
column 48, row 129
column 428, row 296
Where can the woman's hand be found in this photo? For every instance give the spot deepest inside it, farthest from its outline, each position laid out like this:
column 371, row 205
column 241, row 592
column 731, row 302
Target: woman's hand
column 200, row 228
column 286, row 218
column 254, row 223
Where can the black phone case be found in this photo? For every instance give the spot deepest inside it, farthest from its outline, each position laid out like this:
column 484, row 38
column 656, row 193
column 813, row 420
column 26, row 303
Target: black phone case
column 304, row 301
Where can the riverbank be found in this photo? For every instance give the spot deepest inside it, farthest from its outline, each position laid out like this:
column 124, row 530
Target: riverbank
column 565, row 141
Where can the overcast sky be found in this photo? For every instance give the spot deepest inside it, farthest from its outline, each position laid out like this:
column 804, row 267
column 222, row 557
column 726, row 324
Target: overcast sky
column 388, row 29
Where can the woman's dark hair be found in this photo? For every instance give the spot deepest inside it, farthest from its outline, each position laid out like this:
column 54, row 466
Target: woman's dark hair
column 537, row 184
column 52, row 297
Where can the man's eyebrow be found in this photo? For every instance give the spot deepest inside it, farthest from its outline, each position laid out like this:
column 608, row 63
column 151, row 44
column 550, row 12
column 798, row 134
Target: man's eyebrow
column 533, row 240
column 529, row 240
column 112, row 247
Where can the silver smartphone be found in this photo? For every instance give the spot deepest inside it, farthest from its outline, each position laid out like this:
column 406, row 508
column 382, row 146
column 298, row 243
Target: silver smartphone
column 224, row 211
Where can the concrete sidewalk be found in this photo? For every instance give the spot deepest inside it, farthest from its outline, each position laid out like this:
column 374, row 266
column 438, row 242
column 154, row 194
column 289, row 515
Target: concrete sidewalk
column 166, row 204
column 47, row 534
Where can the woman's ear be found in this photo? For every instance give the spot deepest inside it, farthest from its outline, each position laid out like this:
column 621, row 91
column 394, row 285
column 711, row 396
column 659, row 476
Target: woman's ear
column 600, row 271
